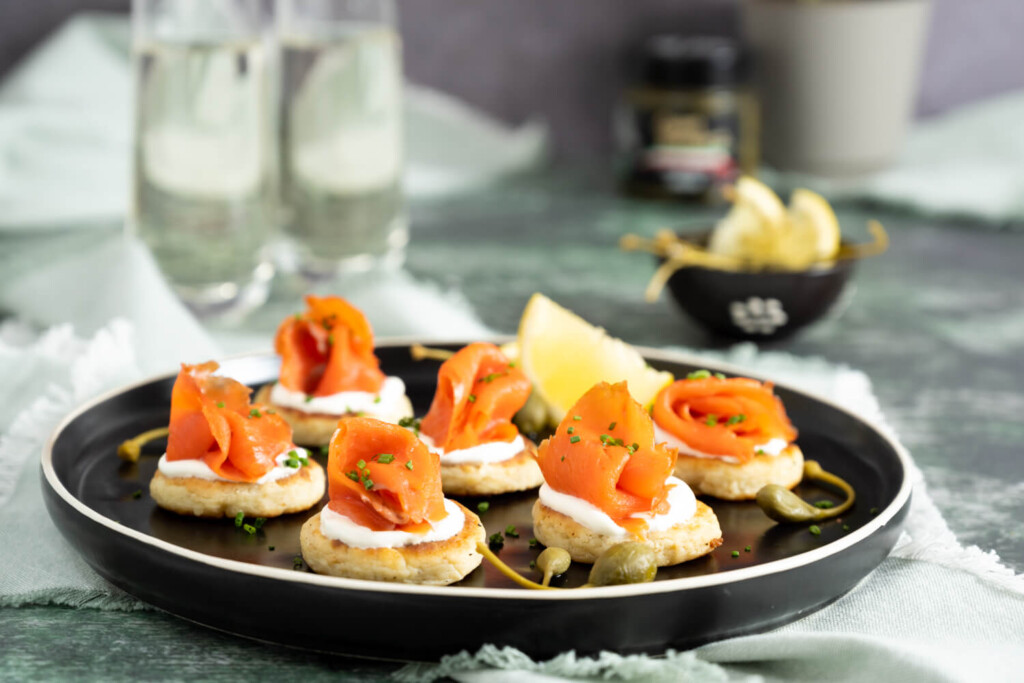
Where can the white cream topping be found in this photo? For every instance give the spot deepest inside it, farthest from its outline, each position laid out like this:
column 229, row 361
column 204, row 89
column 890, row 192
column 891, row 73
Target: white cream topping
column 338, row 527
column 389, row 404
column 681, row 501
column 772, row 447
column 200, row 470
column 495, row 451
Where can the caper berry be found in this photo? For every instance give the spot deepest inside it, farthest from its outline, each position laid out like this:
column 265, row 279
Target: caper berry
column 629, row 562
column 553, row 561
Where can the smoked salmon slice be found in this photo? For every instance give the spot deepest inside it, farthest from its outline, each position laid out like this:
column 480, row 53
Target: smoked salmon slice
column 327, row 349
column 604, row 453
column 478, row 392
column 381, row 476
column 213, row 421
column 724, row 417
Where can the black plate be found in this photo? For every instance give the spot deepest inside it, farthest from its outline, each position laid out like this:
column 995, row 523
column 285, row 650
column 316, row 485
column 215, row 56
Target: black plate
column 218, row 575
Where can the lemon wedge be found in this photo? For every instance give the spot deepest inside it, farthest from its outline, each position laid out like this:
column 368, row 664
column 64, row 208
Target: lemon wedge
column 564, row 356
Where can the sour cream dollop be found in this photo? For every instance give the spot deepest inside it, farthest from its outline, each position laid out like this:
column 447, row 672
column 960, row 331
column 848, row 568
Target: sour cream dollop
column 200, row 470
column 773, row 447
column 681, row 501
column 388, row 404
column 495, row 451
column 338, row 527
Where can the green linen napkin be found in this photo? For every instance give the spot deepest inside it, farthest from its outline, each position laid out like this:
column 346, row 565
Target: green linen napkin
column 967, row 164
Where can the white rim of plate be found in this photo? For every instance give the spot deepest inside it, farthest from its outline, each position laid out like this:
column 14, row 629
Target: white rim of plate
column 883, row 517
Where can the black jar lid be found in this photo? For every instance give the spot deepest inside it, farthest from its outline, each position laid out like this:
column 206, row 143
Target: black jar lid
column 674, row 61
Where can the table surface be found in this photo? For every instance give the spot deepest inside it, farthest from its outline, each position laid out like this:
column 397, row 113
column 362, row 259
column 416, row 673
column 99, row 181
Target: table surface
column 937, row 323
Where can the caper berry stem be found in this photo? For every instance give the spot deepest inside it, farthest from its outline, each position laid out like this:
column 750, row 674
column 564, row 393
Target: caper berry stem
column 783, row 505
column 421, row 352
column 131, row 449
column 508, row 571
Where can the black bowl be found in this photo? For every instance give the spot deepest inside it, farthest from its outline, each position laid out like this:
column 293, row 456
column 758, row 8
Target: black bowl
column 758, row 305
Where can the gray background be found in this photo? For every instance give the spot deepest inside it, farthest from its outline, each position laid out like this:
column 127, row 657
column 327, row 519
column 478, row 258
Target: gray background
column 564, row 60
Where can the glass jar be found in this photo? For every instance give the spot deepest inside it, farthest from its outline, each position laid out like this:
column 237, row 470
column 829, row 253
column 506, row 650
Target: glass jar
column 691, row 124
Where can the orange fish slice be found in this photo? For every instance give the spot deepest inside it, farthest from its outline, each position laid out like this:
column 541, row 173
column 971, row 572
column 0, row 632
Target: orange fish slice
column 212, row 421
column 478, row 392
column 328, row 349
column 382, row 477
column 604, row 453
column 723, row 417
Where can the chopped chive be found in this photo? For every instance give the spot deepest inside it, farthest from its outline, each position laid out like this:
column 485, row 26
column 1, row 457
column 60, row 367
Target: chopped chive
column 735, row 553
column 496, row 540
column 376, row 399
column 325, row 449
column 719, row 375
column 815, row 530
column 472, row 398
column 574, row 439
column 759, row 451
column 570, row 430
column 292, row 463
column 293, row 453
column 410, row 423
column 483, row 506
column 298, row 316
column 873, row 511
column 846, row 527
column 736, row 419
column 635, row 446
column 361, row 464
column 491, row 377
column 408, row 464
column 367, row 483
column 309, row 398
column 511, row 532
column 747, row 549
column 239, row 518
column 385, row 458
column 824, row 504
column 220, row 404
column 353, row 475
column 330, row 339
column 249, row 529
column 577, row 417
column 137, row 494
column 297, row 562
column 612, row 426
column 533, row 564
column 534, row 543
column 270, row 547
column 605, row 438
column 711, row 420
column 699, row 374
column 259, row 522
column 255, row 413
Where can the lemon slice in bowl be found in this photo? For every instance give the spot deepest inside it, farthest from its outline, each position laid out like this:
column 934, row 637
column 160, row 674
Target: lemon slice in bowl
column 751, row 228
column 812, row 233
column 758, row 196
column 563, row 356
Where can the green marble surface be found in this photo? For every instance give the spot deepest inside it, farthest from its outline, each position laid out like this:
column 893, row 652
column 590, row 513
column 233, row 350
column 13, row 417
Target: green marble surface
column 937, row 323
